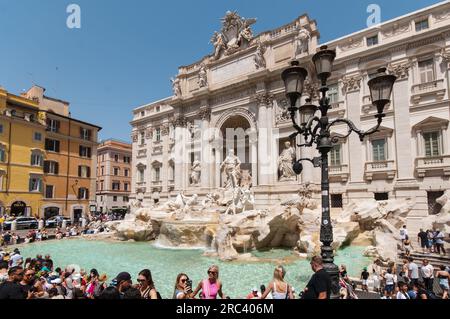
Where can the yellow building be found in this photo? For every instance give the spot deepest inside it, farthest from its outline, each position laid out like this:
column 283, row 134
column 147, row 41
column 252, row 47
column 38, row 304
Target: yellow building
column 22, row 154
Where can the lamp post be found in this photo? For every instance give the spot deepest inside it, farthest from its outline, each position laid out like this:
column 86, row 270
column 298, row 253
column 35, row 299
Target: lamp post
column 316, row 131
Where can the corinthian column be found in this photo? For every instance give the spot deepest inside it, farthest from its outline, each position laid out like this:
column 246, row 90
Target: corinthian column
column 264, row 101
column 207, row 165
column 180, row 156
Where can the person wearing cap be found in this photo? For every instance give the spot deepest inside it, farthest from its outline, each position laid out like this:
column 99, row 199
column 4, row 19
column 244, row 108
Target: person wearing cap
column 254, row 294
column 122, row 282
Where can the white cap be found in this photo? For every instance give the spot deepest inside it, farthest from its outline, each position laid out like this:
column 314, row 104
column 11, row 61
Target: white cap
column 56, row 281
column 255, row 289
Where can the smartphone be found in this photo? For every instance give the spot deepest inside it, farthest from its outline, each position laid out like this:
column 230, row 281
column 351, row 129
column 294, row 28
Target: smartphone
column 189, row 285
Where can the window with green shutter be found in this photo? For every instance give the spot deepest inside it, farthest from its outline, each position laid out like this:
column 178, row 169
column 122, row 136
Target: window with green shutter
column 432, row 144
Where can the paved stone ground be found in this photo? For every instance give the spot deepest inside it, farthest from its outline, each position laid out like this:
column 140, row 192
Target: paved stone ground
column 367, row 295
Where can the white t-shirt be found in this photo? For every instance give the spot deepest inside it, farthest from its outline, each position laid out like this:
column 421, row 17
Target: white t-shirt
column 403, row 233
column 414, row 269
column 15, row 260
column 402, row 296
column 427, row 271
column 389, row 279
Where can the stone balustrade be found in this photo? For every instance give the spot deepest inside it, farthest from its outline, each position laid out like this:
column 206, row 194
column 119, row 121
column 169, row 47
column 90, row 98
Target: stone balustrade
column 434, row 88
column 439, row 164
column 380, row 170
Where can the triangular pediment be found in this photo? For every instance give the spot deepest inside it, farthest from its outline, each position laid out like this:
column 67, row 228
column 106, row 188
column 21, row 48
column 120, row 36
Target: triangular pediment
column 431, row 121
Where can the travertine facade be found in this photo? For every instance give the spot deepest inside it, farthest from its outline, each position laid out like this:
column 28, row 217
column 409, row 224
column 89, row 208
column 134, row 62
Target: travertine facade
column 242, row 88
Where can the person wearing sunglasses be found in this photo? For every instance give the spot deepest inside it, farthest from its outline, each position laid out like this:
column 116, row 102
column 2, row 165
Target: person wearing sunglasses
column 146, row 285
column 210, row 287
column 27, row 282
column 183, row 287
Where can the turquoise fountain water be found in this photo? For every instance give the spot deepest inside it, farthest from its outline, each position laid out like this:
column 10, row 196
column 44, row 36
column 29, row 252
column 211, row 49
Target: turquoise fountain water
column 238, row 277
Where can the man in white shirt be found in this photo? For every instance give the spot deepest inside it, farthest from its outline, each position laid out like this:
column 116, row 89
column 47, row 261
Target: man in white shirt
column 403, row 235
column 403, row 291
column 427, row 274
column 413, row 271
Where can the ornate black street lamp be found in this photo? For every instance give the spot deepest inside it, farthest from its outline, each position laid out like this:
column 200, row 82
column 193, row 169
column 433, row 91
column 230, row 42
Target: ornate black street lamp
column 316, row 130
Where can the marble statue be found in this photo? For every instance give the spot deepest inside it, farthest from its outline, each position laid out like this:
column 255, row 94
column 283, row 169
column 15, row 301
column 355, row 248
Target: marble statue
column 260, row 61
column 196, row 169
column 302, row 41
column 285, row 162
column 219, row 44
column 246, row 179
column 232, row 167
column 210, row 200
column 202, row 77
column 176, row 86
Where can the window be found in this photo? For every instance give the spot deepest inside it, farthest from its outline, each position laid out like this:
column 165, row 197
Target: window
column 103, row 170
column 336, row 201
column 114, row 198
column 1, row 128
column 116, row 171
column 84, row 171
column 126, row 173
column 371, row 41
column 426, row 71
column 35, row 184
column 37, row 136
column 83, row 193
column 158, row 108
column 333, row 93
column 126, row 159
column 125, row 199
column 381, row 196
column 335, row 155
column 37, row 159
column 101, row 185
column 142, row 138
column 85, row 151
column 116, row 186
column 53, row 125
column 51, row 145
column 116, row 158
column 157, row 174
column 142, row 113
column 422, row 25
column 125, row 186
column 48, row 191
column 51, row 167
column 2, row 154
column 85, row 134
column 379, row 150
column 158, row 135
column 432, row 144
column 140, row 175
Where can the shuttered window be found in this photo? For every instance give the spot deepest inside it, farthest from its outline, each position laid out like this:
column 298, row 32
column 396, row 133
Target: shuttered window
column 379, row 150
column 432, row 144
column 426, row 70
column 335, row 155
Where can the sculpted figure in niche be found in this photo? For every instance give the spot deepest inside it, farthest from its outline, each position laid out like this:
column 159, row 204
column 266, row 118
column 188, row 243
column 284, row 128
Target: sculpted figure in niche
column 302, row 41
column 285, row 162
column 202, row 77
column 232, row 168
column 176, row 86
column 260, row 61
column 196, row 171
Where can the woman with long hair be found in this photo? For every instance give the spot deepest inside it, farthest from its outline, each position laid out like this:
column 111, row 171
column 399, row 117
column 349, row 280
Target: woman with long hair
column 146, row 285
column 279, row 288
column 211, row 286
column 183, row 287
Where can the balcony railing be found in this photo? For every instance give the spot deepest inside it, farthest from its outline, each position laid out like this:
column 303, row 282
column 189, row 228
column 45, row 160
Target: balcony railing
column 339, row 173
column 435, row 88
column 337, row 108
column 425, row 165
column 380, row 169
column 368, row 107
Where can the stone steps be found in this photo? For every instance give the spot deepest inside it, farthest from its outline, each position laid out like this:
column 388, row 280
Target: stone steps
column 434, row 259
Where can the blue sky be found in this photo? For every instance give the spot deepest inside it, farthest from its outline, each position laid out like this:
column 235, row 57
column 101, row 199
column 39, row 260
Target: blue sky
column 126, row 51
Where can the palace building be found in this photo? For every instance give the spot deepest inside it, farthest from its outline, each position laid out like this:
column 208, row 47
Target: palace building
column 49, row 158
column 238, row 86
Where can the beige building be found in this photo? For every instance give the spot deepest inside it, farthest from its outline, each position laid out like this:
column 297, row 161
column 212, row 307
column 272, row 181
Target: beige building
column 239, row 87
column 113, row 175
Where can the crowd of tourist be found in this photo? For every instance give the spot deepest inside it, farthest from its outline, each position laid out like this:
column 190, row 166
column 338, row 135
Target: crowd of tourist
column 38, row 278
